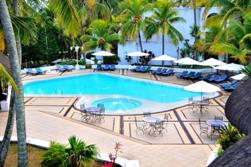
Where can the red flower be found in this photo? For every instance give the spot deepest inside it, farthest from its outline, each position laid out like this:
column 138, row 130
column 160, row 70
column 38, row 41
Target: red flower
column 107, row 164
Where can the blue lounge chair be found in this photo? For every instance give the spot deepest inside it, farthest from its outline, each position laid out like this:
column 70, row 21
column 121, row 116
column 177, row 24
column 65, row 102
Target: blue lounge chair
column 234, row 82
column 32, row 71
column 168, row 72
column 68, row 67
column 142, row 69
column 196, row 76
column 213, row 78
column 207, row 77
column 190, row 74
column 157, row 71
column 112, row 67
column 106, row 67
column 40, row 70
column 222, row 78
column 146, row 69
column 164, row 70
column 230, row 88
column 61, row 68
column 181, row 75
column 136, row 69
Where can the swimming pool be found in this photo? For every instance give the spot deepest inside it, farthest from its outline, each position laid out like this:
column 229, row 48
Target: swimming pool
column 103, row 84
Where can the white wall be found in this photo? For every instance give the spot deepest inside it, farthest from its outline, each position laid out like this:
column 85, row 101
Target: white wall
column 155, row 44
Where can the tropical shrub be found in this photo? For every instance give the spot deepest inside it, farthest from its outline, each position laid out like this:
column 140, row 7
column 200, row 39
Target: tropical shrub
column 72, row 62
column 229, row 136
column 247, row 69
column 76, row 154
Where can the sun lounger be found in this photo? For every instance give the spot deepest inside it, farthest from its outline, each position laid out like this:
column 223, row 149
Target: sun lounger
column 196, row 76
column 228, row 83
column 145, row 69
column 112, row 67
column 106, row 67
column 168, row 72
column 157, row 71
column 213, row 78
column 222, row 78
column 181, row 75
column 188, row 75
column 32, row 71
column 68, row 67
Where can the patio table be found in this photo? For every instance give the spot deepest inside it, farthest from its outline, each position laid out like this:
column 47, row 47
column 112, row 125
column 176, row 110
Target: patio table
column 151, row 120
column 216, row 123
column 93, row 109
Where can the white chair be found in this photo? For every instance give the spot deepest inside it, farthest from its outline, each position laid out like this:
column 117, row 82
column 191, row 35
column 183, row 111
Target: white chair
column 5, row 104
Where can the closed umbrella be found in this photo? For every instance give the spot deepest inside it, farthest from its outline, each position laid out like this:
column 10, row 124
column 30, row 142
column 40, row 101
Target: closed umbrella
column 212, row 62
column 202, row 87
column 187, row 61
column 230, row 67
column 164, row 58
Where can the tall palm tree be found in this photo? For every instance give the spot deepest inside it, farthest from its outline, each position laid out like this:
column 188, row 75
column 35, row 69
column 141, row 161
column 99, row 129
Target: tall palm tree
column 101, row 36
column 162, row 21
column 5, row 78
column 13, row 55
column 133, row 12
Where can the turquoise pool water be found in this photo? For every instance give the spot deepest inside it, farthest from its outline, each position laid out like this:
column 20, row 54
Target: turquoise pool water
column 102, row 84
column 115, row 104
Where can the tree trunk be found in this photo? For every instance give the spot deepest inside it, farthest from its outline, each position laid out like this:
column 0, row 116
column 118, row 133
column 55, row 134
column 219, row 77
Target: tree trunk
column 19, row 46
column 163, row 43
column 140, row 42
column 4, row 146
column 19, row 104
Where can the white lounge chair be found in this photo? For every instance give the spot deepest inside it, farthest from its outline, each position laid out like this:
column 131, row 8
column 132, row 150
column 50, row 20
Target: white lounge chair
column 5, row 104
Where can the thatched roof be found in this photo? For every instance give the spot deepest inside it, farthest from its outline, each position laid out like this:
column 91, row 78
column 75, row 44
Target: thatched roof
column 5, row 61
column 238, row 112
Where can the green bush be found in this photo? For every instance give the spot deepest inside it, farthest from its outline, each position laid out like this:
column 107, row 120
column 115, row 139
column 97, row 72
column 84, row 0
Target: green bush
column 76, row 154
column 247, row 69
column 55, row 155
column 229, row 136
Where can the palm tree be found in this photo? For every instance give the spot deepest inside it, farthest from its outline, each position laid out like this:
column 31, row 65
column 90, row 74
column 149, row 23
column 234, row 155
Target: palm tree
column 79, row 153
column 162, row 21
column 5, row 78
column 133, row 12
column 101, row 36
column 19, row 105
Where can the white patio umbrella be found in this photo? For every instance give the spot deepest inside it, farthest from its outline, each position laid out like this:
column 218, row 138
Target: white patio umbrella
column 230, row 67
column 212, row 62
column 102, row 53
column 164, row 58
column 202, row 87
column 137, row 54
column 187, row 61
column 239, row 76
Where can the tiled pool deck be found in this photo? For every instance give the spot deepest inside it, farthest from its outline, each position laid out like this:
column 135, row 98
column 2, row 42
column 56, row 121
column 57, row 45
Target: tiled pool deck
column 54, row 118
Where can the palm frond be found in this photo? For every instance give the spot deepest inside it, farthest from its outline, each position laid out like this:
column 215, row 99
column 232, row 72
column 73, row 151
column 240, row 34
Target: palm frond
column 5, row 77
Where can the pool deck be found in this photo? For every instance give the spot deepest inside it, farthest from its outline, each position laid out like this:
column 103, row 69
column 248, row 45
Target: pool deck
column 54, row 118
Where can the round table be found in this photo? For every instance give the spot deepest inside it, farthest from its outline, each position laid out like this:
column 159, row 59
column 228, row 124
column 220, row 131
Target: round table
column 93, row 109
column 216, row 123
column 152, row 119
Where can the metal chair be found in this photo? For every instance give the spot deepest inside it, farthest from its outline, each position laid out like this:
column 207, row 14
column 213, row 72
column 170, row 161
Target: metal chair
column 160, row 126
column 102, row 111
column 84, row 116
column 203, row 128
column 140, row 128
column 217, row 129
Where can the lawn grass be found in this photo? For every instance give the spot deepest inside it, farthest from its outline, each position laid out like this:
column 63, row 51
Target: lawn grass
column 34, row 156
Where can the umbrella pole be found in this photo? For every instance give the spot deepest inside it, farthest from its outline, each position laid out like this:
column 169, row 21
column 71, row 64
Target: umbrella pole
column 162, row 63
column 201, row 103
